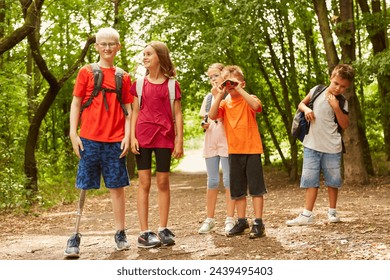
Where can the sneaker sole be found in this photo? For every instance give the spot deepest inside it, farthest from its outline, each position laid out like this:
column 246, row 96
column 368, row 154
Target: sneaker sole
column 148, row 246
column 122, row 249
column 298, row 224
column 71, row 255
column 168, row 244
column 253, row 236
column 240, row 233
column 205, row 232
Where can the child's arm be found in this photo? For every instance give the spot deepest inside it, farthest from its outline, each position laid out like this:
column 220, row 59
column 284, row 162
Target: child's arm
column 302, row 106
column 134, row 146
column 178, row 149
column 213, row 113
column 125, row 145
column 74, row 124
column 252, row 102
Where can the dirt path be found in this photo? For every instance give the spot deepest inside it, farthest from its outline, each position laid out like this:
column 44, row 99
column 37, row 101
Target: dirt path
column 363, row 233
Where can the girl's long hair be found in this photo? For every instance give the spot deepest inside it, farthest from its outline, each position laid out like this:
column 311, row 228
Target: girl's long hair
column 166, row 65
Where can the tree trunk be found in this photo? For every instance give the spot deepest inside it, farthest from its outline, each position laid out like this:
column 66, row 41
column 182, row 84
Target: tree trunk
column 379, row 43
column 30, row 164
column 326, row 33
column 354, row 167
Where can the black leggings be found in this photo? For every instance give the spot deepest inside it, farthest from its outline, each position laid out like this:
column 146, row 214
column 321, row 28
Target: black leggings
column 163, row 159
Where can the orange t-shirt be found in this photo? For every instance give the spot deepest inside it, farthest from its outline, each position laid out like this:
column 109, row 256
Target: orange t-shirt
column 241, row 128
column 97, row 123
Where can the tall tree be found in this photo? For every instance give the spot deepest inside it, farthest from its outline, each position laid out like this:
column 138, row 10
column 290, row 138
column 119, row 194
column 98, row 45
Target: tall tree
column 376, row 28
column 354, row 167
column 30, row 164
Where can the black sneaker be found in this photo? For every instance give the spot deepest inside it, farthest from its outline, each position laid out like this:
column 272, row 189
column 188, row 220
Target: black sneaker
column 166, row 237
column 258, row 230
column 239, row 228
column 121, row 240
column 73, row 246
column 148, row 240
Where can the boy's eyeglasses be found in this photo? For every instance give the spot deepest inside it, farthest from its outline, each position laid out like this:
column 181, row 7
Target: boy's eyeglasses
column 105, row 45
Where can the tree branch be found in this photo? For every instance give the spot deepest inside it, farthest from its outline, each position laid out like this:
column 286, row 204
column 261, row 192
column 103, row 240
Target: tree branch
column 31, row 16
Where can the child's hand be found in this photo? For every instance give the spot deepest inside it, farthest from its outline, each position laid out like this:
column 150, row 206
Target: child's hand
column 178, row 151
column 77, row 145
column 135, row 146
column 333, row 102
column 125, row 145
column 215, row 88
column 205, row 125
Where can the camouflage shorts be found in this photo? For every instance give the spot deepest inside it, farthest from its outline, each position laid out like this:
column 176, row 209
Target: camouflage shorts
column 101, row 159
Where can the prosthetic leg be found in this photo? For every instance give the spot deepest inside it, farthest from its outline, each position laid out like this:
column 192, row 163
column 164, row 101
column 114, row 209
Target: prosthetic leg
column 73, row 246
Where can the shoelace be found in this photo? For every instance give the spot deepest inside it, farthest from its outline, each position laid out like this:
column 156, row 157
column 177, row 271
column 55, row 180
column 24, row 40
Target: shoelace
column 167, row 232
column 74, row 241
column 148, row 234
column 120, row 236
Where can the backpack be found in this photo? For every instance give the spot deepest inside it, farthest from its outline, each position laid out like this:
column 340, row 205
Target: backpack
column 300, row 127
column 171, row 88
column 208, row 103
column 97, row 87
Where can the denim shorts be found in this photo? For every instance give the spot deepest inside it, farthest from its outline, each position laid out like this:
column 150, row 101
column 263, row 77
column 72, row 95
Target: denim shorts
column 101, row 159
column 314, row 162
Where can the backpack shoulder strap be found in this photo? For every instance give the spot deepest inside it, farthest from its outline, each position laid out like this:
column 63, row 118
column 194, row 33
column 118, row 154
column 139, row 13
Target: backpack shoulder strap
column 317, row 91
column 172, row 95
column 97, row 84
column 209, row 98
column 97, row 77
column 139, row 87
column 119, row 72
column 341, row 99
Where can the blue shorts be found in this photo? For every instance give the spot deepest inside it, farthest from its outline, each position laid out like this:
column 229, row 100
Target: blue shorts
column 101, row 158
column 314, row 162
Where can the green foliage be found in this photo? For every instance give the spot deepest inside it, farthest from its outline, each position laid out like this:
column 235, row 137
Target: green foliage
column 277, row 44
column 12, row 192
column 12, row 133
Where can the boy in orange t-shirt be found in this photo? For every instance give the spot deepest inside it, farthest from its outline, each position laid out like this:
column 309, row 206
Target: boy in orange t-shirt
column 244, row 146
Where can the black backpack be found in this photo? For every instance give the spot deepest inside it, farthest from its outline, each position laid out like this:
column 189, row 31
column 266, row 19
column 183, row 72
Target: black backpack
column 97, row 87
column 300, row 127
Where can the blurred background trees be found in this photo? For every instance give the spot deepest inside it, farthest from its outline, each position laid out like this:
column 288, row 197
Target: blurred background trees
column 284, row 48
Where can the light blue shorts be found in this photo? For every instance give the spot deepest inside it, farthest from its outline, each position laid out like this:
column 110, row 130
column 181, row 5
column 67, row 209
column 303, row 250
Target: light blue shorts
column 314, row 162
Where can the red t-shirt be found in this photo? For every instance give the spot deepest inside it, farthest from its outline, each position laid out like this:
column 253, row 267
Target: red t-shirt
column 97, row 123
column 154, row 126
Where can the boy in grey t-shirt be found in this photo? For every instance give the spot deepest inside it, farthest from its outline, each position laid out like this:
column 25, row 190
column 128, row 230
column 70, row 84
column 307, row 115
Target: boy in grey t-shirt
column 323, row 144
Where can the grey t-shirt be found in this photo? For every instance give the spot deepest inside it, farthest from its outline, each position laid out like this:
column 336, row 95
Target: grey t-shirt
column 323, row 135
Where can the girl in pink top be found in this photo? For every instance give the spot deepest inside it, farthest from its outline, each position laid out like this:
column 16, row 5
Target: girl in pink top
column 155, row 129
column 215, row 151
